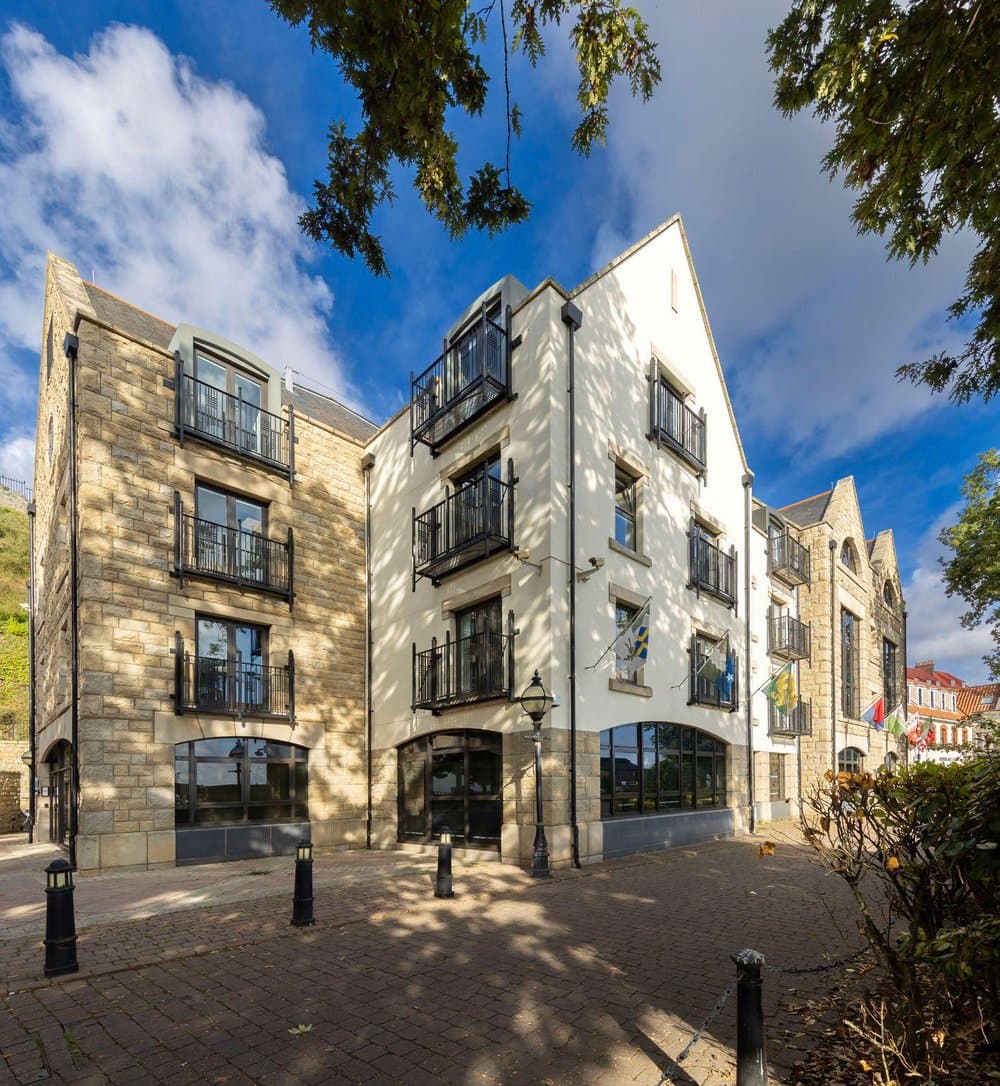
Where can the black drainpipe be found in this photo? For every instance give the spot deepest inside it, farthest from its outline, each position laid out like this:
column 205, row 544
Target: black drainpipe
column 366, row 466
column 747, row 671
column 833, row 654
column 573, row 319
column 32, row 770
column 71, row 345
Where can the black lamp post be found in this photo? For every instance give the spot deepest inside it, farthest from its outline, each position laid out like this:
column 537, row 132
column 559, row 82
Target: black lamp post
column 535, row 701
column 302, row 899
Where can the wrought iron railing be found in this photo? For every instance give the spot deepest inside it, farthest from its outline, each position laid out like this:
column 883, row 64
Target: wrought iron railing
column 797, row 721
column 230, row 421
column 206, row 549
column 474, row 522
column 205, row 684
column 788, row 559
column 674, row 424
column 16, row 486
column 474, row 668
column 470, row 376
column 787, row 638
column 712, row 683
column 711, row 568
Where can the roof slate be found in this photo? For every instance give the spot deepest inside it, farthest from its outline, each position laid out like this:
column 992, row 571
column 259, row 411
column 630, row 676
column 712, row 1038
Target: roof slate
column 808, row 511
column 329, row 412
column 129, row 318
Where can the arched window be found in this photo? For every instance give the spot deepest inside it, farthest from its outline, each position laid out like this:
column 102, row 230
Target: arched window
column 888, row 595
column 848, row 556
column 234, row 780
column 850, row 760
column 650, row 768
column 452, row 781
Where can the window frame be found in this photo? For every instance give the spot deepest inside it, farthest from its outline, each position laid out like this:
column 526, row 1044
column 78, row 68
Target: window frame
column 628, row 517
column 849, row 556
column 850, row 664
column 625, row 613
column 777, row 792
column 850, row 760
column 890, row 672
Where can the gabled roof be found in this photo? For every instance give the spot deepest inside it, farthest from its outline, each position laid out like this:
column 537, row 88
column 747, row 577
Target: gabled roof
column 979, row 699
column 808, row 510
column 130, row 319
column 933, row 676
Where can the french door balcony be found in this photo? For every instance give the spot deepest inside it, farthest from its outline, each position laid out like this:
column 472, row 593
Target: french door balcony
column 461, row 672
column 225, row 686
column 787, row 638
column 788, row 559
column 796, row 722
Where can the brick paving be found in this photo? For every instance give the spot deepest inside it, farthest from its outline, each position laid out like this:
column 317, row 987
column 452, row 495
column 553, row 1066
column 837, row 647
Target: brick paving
column 598, row 976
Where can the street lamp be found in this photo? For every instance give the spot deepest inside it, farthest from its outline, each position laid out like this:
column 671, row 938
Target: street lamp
column 535, row 701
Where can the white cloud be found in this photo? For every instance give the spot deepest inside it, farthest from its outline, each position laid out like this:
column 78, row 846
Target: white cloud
column 17, row 458
column 811, row 319
column 126, row 161
column 934, row 631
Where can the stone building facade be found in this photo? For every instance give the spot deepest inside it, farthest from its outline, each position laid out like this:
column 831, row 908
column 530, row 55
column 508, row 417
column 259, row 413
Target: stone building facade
column 854, row 608
column 218, row 594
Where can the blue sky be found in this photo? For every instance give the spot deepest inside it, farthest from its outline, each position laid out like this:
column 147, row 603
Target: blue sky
column 168, row 148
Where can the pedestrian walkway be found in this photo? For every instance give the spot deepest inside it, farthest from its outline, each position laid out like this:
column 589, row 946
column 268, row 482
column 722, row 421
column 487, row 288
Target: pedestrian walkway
column 595, row 976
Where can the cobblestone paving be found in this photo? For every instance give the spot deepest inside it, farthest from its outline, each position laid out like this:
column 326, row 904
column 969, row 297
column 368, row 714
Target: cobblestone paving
column 598, row 976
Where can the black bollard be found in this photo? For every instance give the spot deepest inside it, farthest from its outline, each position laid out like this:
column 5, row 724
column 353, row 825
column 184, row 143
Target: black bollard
column 302, row 901
column 751, row 1062
column 443, row 887
column 60, row 923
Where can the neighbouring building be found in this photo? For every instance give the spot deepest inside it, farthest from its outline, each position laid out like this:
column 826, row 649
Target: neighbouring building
column 980, row 706
column 933, row 695
column 200, row 572
column 853, row 605
column 569, row 459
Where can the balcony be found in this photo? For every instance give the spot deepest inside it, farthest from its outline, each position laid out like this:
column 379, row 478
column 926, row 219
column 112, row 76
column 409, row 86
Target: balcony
column 788, row 559
column 229, row 422
column 711, row 569
column 462, row 672
column 797, row 722
column 712, row 689
column 787, row 638
column 472, row 376
column 469, row 525
column 232, row 688
column 203, row 548
column 674, row 424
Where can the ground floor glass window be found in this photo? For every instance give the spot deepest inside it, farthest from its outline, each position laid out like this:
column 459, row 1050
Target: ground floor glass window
column 238, row 780
column 850, row 760
column 451, row 781
column 650, row 768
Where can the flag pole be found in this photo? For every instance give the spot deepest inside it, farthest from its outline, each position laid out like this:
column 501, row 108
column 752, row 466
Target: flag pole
column 644, row 609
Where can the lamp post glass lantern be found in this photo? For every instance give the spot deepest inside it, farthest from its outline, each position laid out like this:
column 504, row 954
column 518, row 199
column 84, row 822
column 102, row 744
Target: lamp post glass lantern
column 535, row 701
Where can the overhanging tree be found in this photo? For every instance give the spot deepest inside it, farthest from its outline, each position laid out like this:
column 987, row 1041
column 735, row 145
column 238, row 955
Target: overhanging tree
column 973, row 571
column 412, row 62
column 912, row 88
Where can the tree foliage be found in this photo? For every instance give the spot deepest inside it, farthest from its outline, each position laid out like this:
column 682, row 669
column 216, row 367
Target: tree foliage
column 911, row 87
column 411, row 62
column 973, row 571
column 920, row 851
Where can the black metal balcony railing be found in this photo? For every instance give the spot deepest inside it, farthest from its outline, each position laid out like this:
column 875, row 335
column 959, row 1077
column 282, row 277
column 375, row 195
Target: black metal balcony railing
column 471, row 669
column 712, row 570
column 223, row 419
column 788, row 559
column 709, row 684
column 229, row 688
column 787, row 638
column 470, row 377
column 473, row 523
column 205, row 549
column 674, row 424
column 796, row 722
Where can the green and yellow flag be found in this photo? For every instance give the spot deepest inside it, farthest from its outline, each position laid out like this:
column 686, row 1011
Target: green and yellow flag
column 780, row 690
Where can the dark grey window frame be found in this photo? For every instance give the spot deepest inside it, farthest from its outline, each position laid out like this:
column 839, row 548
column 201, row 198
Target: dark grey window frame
column 850, row 664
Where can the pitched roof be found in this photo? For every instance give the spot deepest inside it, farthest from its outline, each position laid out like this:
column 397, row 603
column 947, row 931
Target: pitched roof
column 808, row 510
column 933, row 676
column 129, row 318
column 979, row 699
column 329, row 411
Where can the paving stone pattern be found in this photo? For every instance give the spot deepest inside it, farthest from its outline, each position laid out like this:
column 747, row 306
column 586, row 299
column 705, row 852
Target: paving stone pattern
column 598, row 976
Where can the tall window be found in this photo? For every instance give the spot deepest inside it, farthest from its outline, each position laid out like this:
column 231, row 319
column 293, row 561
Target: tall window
column 231, row 657
column 50, row 443
column 776, row 777
column 211, row 410
column 480, row 648
column 49, row 351
column 850, row 664
column 649, row 768
column 237, row 550
column 850, row 760
column 624, row 614
column 889, row 674
column 240, row 779
column 848, row 556
column 477, row 507
column 626, row 492
column 888, row 594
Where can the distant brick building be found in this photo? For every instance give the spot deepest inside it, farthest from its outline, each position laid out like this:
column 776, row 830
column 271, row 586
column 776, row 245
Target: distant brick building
column 933, row 695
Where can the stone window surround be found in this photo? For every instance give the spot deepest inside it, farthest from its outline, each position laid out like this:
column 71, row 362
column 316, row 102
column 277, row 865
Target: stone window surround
column 499, row 586
column 492, row 443
column 620, row 594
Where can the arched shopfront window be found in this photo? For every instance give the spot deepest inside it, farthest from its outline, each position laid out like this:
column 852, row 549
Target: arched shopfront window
column 236, row 780
column 452, row 781
column 650, row 768
column 850, row 760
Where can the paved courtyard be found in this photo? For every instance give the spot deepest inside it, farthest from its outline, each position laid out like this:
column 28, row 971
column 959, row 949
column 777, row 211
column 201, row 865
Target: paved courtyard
column 193, row 975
